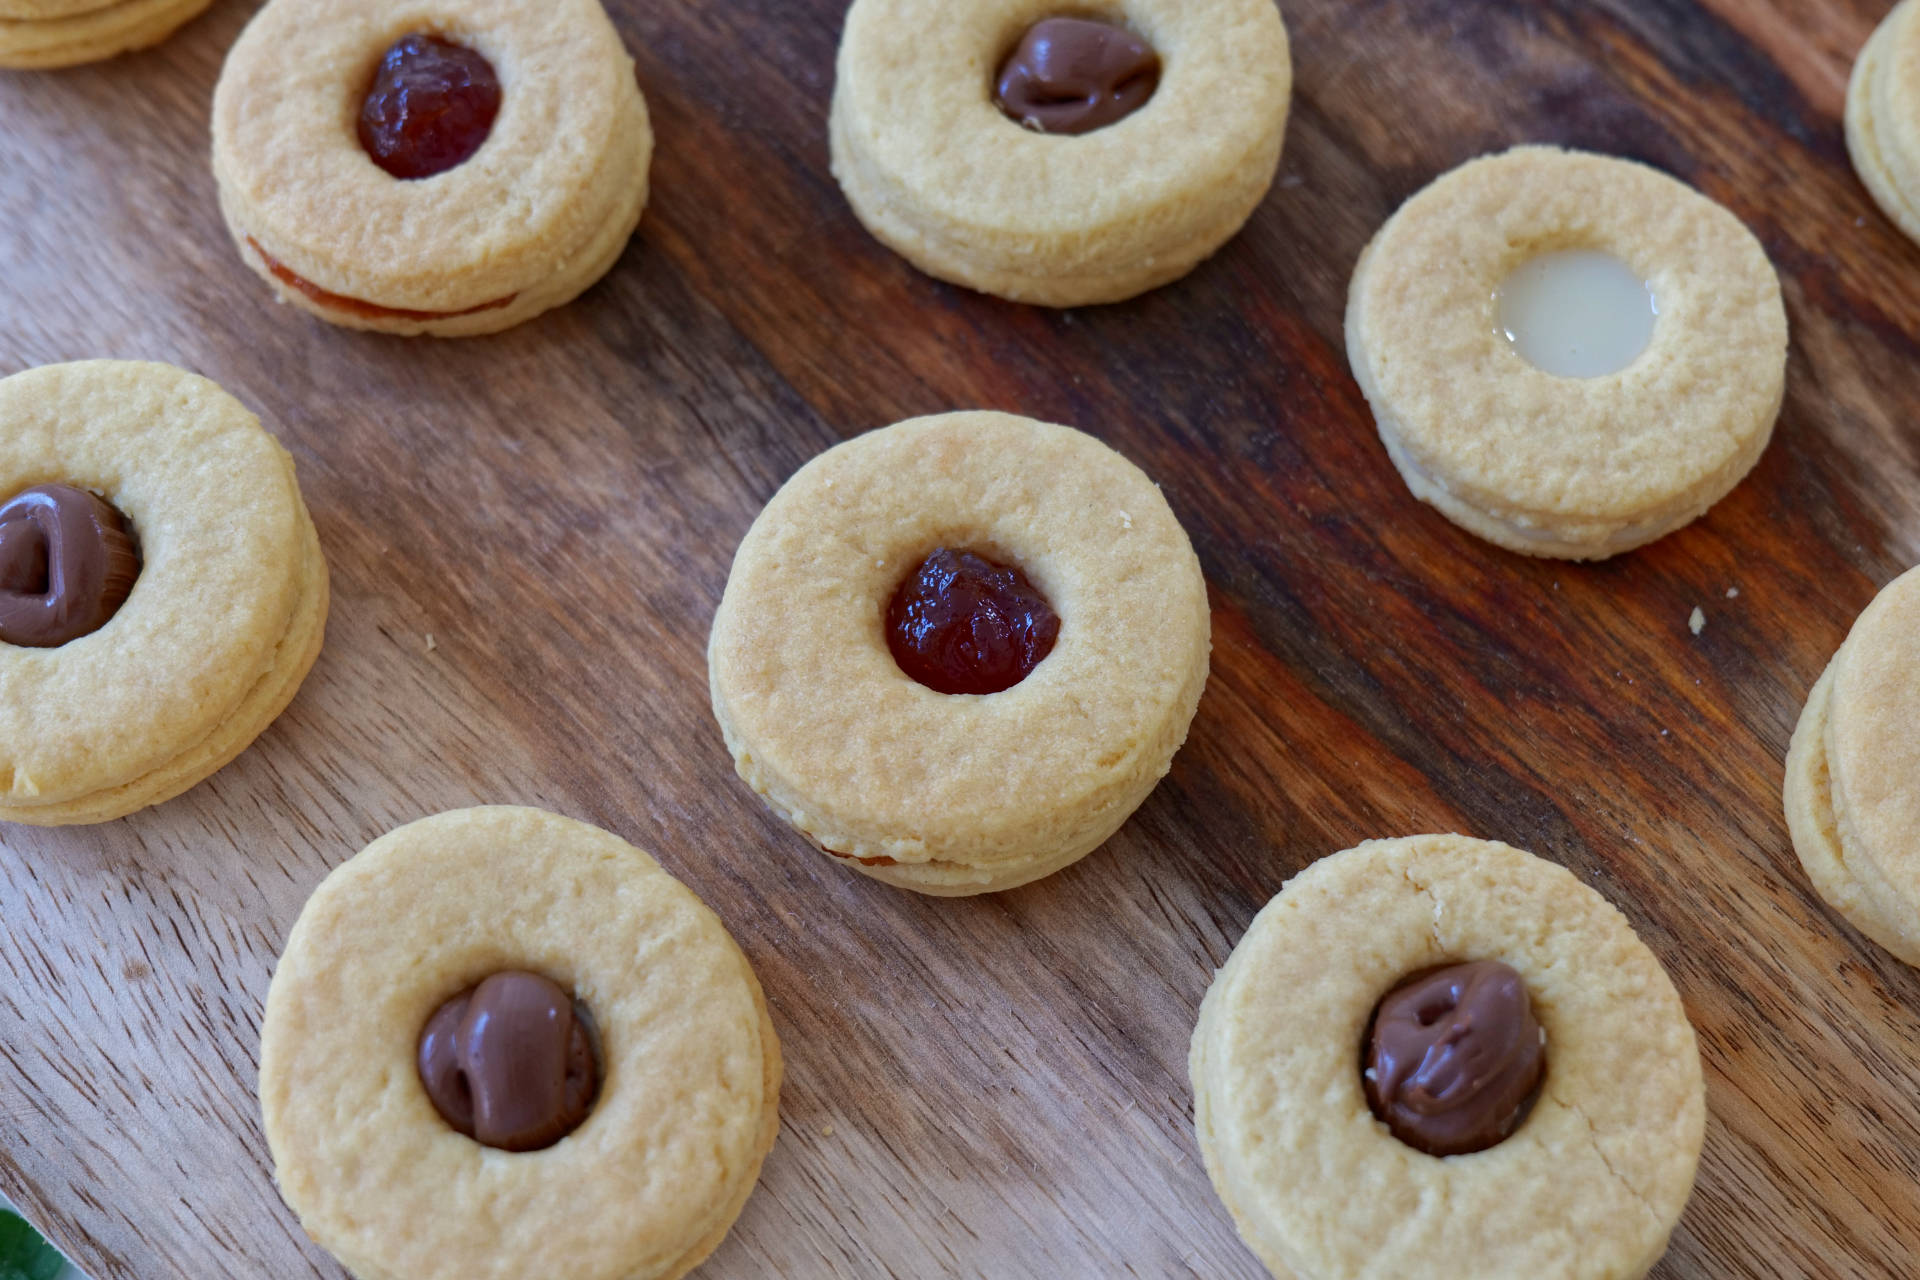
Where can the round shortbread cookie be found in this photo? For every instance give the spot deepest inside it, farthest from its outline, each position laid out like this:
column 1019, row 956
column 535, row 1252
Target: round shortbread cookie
column 225, row 619
column 1853, row 775
column 939, row 174
column 537, row 215
column 959, row 794
column 1580, row 468
column 44, row 35
column 653, row 1179
column 1589, row 1187
column 1883, row 117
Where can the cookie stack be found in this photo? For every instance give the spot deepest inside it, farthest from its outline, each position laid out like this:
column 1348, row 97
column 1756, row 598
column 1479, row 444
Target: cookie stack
column 1883, row 117
column 1853, row 775
column 495, row 168
column 115, row 697
column 44, row 34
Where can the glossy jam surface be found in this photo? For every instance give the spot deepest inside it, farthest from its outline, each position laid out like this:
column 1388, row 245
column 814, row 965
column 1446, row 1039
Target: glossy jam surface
column 961, row 623
column 431, row 106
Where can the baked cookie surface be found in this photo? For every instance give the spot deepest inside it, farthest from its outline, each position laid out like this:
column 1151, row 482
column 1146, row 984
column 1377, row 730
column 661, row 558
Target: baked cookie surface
column 1853, row 774
column 1591, row 1183
column 939, row 173
column 959, row 793
column 1571, row 467
column 645, row 1188
column 223, row 622
column 534, row 217
column 49, row 34
column 1883, row 117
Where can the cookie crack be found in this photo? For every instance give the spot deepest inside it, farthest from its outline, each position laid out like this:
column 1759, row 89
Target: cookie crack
column 1593, row 1141
column 1433, row 926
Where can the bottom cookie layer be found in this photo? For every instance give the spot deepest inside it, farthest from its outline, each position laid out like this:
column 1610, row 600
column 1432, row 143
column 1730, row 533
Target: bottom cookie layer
column 47, row 44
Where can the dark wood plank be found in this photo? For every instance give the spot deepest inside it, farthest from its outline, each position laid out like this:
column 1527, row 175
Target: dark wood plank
column 991, row 1087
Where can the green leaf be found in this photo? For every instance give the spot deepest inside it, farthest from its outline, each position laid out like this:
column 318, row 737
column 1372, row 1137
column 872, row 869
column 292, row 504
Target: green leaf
column 23, row 1254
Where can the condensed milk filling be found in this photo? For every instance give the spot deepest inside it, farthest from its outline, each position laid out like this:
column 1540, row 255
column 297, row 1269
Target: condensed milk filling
column 1576, row 313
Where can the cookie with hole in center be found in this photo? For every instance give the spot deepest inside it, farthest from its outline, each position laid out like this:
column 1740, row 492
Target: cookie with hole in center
column 162, row 589
column 43, row 35
column 441, row 167
column 1567, row 354
column 1059, row 155
column 1439, row 1057
column 957, row 653
column 501, row 1043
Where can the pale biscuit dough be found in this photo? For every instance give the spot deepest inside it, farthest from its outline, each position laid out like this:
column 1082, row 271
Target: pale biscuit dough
column 1853, row 774
column 1579, row 468
column 959, row 794
column 940, row 175
column 1588, row 1188
column 44, row 35
column 1883, row 117
column 648, row 1185
column 223, row 624
column 538, row 214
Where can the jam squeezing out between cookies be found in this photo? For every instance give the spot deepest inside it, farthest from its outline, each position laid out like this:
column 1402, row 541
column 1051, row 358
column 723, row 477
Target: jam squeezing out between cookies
column 1455, row 1057
column 1076, row 75
column 962, row 624
column 510, row 1062
column 354, row 306
column 430, row 107
column 67, row 564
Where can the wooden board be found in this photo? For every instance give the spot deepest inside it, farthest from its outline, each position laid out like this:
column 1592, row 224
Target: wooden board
column 994, row 1087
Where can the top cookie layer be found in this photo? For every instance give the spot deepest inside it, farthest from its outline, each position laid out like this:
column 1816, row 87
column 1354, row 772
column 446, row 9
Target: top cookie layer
column 647, row 1184
column 221, row 530
column 1588, row 1188
column 1589, row 459
column 293, row 174
column 873, row 764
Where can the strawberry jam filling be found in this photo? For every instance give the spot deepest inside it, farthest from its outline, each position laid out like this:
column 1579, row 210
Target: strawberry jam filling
column 961, row 623
column 354, row 306
column 430, row 107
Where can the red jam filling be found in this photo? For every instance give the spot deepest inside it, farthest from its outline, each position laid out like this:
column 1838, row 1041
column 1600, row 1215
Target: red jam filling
column 354, row 306
column 962, row 624
column 431, row 105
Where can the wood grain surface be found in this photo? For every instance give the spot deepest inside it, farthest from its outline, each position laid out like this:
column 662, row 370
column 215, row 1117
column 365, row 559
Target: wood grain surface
column 528, row 535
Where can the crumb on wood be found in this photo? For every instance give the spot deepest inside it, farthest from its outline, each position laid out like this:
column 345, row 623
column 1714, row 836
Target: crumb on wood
column 1733, row 593
column 431, row 645
column 827, row 1132
column 1698, row 622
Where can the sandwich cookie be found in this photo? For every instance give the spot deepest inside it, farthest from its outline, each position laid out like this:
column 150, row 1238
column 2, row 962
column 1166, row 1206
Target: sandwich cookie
column 162, row 591
column 1883, row 117
column 1853, row 774
column 1439, row 1057
column 46, row 34
column 1060, row 157
column 444, row 167
column 1567, row 354
column 957, row 653
column 501, row 1044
